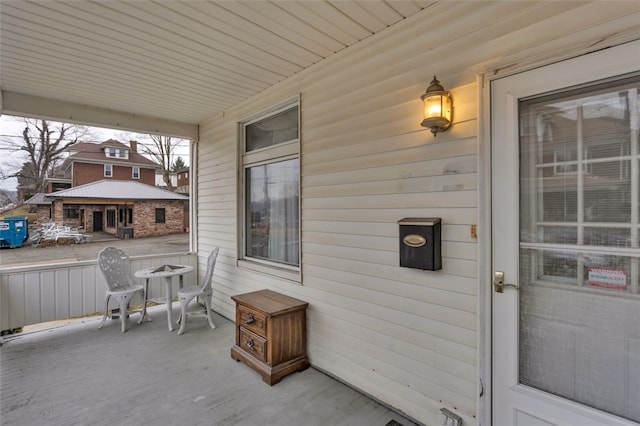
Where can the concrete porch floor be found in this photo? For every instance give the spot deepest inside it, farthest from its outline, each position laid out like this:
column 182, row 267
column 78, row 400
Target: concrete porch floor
column 78, row 375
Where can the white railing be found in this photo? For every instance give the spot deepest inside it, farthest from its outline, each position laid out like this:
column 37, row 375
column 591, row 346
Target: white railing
column 41, row 293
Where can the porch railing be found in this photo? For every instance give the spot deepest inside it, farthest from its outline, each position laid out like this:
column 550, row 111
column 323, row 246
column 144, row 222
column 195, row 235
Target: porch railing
column 41, row 293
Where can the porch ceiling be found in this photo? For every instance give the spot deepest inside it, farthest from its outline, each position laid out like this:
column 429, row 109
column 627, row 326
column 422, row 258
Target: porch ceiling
column 174, row 60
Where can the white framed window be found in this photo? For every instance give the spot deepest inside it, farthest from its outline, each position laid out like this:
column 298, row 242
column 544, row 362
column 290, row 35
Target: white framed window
column 108, row 170
column 271, row 187
column 135, row 172
column 112, row 152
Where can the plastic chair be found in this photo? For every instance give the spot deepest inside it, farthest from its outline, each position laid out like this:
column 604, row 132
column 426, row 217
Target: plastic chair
column 203, row 289
column 114, row 264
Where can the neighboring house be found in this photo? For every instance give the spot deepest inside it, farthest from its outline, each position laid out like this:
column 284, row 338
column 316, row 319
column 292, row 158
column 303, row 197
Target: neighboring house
column 160, row 179
column 118, row 186
column 57, row 184
column 127, row 209
column 90, row 162
column 182, row 182
column 42, row 204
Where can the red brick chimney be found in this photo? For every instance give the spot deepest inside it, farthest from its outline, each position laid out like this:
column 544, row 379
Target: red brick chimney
column 134, row 146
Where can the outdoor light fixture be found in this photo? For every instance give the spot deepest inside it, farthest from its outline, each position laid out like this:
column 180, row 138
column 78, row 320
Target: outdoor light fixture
column 437, row 108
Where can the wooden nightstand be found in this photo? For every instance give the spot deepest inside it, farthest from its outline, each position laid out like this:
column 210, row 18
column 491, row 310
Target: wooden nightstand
column 271, row 334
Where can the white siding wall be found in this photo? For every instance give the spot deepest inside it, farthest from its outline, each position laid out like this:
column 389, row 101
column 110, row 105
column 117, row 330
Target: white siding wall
column 408, row 337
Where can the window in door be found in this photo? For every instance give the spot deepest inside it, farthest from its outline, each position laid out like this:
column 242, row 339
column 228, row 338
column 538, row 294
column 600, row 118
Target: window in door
column 580, row 245
column 271, row 175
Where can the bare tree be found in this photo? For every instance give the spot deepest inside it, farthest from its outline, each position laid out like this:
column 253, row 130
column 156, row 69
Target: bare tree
column 162, row 151
column 40, row 150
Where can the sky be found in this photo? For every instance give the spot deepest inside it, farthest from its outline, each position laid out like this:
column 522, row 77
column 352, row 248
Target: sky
column 11, row 128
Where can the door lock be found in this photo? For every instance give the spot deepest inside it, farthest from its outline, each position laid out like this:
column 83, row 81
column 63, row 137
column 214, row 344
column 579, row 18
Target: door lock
column 498, row 282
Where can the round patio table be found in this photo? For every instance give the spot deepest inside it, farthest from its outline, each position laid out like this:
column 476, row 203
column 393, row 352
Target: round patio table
column 167, row 272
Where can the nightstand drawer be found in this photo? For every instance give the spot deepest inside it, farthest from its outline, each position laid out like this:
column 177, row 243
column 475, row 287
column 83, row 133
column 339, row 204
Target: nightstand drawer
column 253, row 344
column 252, row 320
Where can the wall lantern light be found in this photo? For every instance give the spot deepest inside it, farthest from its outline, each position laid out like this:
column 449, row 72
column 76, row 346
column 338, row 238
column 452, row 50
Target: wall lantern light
column 437, row 108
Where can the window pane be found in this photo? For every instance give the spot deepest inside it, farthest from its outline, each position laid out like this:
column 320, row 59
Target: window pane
column 579, row 273
column 111, row 218
column 612, row 237
column 160, row 215
column 272, row 212
column 276, row 129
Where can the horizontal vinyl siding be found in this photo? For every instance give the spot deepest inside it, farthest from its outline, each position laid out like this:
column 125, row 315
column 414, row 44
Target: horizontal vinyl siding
column 407, row 337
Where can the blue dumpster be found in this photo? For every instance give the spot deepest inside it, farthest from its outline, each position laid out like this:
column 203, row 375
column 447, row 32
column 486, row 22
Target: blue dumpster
column 13, row 231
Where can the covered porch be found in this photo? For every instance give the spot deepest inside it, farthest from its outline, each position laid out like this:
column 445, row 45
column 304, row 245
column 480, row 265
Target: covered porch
column 76, row 374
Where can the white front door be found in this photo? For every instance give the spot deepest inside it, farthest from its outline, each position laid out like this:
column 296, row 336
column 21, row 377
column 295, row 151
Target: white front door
column 565, row 161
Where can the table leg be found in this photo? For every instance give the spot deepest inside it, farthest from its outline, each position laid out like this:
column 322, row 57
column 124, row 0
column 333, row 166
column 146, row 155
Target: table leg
column 169, row 295
column 144, row 314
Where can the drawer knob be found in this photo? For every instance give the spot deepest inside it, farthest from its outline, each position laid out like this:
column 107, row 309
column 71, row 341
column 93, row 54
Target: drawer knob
column 250, row 345
column 250, row 319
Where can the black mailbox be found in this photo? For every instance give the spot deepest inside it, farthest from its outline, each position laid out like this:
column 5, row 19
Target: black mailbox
column 420, row 243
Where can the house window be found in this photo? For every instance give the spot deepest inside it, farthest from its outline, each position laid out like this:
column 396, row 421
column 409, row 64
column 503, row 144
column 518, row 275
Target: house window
column 160, row 215
column 271, row 195
column 126, row 216
column 108, row 170
column 111, row 218
column 135, row 172
column 117, row 152
column 71, row 212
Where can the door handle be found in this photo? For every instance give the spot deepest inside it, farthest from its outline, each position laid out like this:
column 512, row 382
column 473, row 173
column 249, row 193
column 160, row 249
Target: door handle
column 498, row 282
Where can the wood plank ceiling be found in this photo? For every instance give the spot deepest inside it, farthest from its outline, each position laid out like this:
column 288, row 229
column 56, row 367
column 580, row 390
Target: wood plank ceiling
column 176, row 60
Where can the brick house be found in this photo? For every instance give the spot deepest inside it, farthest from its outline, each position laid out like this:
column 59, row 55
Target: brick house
column 111, row 159
column 182, row 185
column 127, row 209
column 133, row 205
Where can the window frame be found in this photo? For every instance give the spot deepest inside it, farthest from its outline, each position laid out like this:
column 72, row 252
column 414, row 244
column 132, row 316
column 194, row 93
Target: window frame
column 135, row 175
column 282, row 151
column 71, row 211
column 164, row 215
column 111, row 216
column 108, row 170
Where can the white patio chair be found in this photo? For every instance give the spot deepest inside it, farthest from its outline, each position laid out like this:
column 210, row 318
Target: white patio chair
column 114, row 264
column 203, row 289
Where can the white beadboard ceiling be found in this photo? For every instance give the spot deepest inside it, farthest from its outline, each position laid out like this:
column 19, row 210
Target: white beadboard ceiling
column 176, row 60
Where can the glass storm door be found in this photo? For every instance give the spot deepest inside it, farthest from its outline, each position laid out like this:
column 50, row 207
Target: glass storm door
column 565, row 160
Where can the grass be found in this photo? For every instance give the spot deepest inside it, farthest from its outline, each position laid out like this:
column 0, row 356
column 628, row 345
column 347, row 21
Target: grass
column 20, row 211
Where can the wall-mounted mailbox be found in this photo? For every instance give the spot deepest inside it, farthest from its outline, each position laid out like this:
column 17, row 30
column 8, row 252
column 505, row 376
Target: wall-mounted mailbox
column 420, row 243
